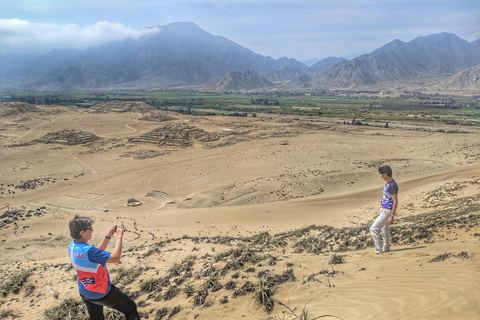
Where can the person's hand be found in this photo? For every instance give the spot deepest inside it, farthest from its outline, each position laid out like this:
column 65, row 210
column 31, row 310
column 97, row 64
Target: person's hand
column 120, row 231
column 390, row 220
column 111, row 231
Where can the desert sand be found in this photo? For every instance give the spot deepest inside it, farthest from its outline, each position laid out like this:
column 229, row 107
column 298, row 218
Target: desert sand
column 230, row 200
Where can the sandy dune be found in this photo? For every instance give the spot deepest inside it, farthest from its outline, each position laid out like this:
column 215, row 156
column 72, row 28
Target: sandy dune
column 249, row 182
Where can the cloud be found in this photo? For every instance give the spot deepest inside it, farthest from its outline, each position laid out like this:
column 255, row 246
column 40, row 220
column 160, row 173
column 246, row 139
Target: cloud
column 20, row 36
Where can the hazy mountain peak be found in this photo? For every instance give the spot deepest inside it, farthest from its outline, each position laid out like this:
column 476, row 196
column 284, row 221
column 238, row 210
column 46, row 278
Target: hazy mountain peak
column 429, row 56
column 182, row 53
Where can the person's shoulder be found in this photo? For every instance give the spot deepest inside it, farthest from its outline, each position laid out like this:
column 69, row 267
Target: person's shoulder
column 393, row 186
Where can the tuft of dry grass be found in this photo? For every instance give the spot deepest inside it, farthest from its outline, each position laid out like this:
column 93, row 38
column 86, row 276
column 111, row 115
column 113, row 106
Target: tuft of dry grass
column 4, row 314
column 124, row 277
column 68, row 309
column 14, row 284
column 336, row 259
column 200, row 297
column 304, row 315
column 149, row 285
column 263, row 293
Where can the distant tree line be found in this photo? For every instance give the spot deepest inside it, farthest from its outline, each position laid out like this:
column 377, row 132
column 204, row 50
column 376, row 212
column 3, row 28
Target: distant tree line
column 265, row 102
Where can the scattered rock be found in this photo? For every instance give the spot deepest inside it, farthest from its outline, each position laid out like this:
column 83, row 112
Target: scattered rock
column 15, row 214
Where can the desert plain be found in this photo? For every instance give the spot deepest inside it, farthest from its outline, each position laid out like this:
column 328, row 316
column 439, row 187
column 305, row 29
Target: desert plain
column 217, row 206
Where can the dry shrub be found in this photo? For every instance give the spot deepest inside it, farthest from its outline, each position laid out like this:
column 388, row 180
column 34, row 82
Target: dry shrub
column 14, row 284
column 263, row 294
column 336, row 259
column 69, row 309
column 200, row 297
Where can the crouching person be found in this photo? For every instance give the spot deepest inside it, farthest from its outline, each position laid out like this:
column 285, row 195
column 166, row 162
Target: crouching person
column 90, row 264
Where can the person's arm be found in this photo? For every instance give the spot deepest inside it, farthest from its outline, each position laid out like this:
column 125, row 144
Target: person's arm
column 394, row 207
column 117, row 251
column 103, row 245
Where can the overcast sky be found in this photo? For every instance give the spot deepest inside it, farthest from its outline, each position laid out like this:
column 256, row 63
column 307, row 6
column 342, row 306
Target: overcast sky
column 300, row 29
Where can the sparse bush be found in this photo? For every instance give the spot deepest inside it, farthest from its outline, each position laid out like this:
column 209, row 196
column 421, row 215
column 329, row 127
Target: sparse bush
column 263, row 293
column 68, row 309
column 336, row 259
column 14, row 284
column 188, row 289
column 29, row 288
column 125, row 277
column 174, row 311
column 150, row 285
column 4, row 314
column 161, row 313
column 212, row 283
column 305, row 315
column 230, row 285
column 170, row 293
column 224, row 300
column 175, row 270
column 210, row 271
column 111, row 314
column 200, row 297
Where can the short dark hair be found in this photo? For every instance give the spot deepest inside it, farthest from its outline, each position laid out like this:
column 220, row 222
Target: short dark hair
column 385, row 170
column 78, row 224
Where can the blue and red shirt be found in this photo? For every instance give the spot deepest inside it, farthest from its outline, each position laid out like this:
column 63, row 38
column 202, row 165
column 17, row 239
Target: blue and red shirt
column 390, row 188
column 90, row 265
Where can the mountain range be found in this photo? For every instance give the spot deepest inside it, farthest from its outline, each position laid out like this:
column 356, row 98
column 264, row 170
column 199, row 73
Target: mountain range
column 181, row 54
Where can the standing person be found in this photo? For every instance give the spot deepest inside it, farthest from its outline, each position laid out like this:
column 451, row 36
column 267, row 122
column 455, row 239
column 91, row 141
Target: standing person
column 388, row 208
column 90, row 264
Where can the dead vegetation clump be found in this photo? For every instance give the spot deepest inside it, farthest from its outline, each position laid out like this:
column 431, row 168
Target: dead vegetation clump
column 263, row 292
column 336, row 259
column 12, row 314
column 68, row 309
column 126, row 276
column 200, row 297
column 446, row 255
column 14, row 283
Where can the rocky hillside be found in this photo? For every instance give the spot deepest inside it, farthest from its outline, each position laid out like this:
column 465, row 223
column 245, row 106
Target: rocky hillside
column 465, row 80
column 436, row 55
column 324, row 65
column 87, row 76
column 287, row 73
column 238, row 82
column 178, row 54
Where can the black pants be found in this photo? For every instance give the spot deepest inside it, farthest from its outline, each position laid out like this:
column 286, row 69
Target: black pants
column 115, row 299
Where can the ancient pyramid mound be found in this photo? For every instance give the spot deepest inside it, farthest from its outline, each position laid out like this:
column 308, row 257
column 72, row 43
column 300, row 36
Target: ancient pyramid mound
column 158, row 117
column 69, row 137
column 9, row 108
column 123, row 106
column 178, row 134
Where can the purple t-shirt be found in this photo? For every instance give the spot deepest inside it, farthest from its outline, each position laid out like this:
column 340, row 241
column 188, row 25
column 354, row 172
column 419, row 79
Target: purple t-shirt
column 390, row 188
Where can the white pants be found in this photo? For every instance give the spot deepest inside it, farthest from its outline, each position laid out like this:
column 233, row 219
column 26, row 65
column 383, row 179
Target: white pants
column 381, row 225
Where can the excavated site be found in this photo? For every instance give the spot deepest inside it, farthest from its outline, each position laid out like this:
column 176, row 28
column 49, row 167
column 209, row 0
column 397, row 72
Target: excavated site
column 237, row 218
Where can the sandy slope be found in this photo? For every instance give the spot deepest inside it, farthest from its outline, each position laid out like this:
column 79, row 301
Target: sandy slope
column 270, row 176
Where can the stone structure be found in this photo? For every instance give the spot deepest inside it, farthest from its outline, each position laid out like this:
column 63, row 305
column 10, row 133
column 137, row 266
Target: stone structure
column 13, row 108
column 163, row 197
column 158, row 117
column 68, row 137
column 178, row 134
column 123, row 106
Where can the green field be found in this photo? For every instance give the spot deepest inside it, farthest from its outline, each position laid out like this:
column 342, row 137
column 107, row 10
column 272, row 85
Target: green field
column 464, row 111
